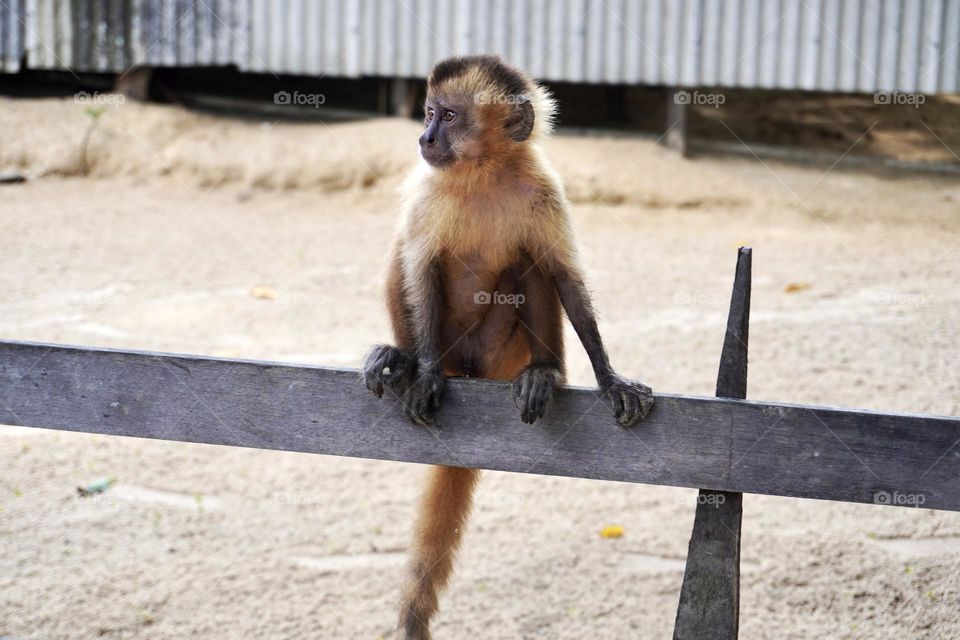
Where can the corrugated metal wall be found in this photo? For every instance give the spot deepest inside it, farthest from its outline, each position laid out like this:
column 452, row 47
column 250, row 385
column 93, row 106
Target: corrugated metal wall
column 13, row 33
column 115, row 35
column 832, row 45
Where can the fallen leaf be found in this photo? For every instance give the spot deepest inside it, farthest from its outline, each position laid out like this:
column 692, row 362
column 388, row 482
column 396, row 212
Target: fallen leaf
column 611, row 531
column 794, row 287
column 97, row 486
column 263, row 292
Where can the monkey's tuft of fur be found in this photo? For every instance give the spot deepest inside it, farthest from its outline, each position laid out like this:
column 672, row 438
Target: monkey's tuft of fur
column 490, row 80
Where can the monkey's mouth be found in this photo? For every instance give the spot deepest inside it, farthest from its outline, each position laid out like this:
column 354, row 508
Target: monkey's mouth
column 437, row 158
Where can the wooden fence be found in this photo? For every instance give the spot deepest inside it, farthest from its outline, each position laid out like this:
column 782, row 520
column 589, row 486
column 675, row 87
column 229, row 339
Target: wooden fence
column 722, row 445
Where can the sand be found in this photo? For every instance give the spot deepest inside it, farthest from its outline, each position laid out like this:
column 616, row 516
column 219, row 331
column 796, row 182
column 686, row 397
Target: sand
column 183, row 215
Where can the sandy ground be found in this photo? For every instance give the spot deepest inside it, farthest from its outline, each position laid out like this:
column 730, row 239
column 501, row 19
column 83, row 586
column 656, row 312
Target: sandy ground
column 184, row 214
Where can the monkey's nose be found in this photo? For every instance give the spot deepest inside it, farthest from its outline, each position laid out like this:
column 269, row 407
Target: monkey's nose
column 427, row 140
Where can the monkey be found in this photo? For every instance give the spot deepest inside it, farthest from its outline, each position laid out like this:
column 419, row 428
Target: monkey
column 482, row 269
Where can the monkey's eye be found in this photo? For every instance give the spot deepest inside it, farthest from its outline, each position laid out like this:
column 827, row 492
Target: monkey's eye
column 449, row 116
column 429, row 115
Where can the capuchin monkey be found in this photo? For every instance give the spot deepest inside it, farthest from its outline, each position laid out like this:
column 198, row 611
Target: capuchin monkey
column 481, row 267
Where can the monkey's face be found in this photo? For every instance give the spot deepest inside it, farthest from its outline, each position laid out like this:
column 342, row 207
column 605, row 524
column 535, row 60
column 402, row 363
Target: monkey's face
column 447, row 123
column 458, row 129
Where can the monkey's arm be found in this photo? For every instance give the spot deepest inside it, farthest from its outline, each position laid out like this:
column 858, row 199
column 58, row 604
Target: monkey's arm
column 542, row 321
column 631, row 400
column 411, row 368
column 388, row 366
column 424, row 288
column 401, row 315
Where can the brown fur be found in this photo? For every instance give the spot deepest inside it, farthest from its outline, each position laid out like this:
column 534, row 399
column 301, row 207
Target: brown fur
column 443, row 515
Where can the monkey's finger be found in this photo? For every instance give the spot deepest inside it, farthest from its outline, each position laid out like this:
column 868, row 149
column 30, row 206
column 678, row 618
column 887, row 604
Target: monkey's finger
column 526, row 415
column 417, row 415
column 426, row 418
column 644, row 400
column 376, row 357
column 400, row 368
column 517, row 389
column 529, row 413
column 426, row 403
column 631, row 409
column 624, row 413
column 408, row 411
column 417, row 409
column 373, row 383
column 409, row 400
column 373, row 373
column 521, row 396
column 524, row 405
column 543, row 397
column 525, row 391
column 535, row 400
column 536, row 408
column 616, row 402
column 393, row 377
column 646, row 404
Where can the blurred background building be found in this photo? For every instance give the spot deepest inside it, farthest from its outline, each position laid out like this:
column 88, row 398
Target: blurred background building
column 829, row 45
column 810, row 74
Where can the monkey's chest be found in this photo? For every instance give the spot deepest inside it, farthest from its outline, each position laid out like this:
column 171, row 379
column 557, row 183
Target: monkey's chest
column 480, row 330
column 478, row 292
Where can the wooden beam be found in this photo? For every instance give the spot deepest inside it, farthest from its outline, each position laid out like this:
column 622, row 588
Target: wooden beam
column 714, row 443
column 710, row 596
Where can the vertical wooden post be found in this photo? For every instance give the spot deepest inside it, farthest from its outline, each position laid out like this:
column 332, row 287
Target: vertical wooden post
column 383, row 97
column 710, row 596
column 135, row 83
column 403, row 97
column 678, row 105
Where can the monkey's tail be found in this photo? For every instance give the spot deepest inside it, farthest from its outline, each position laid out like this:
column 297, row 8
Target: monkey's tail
column 444, row 511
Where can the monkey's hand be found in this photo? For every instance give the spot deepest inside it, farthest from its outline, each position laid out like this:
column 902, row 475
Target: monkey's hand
column 533, row 389
column 631, row 400
column 390, row 366
column 422, row 398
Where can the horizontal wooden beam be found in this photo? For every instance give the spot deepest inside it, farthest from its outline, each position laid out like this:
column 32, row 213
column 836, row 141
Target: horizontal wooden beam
column 714, row 443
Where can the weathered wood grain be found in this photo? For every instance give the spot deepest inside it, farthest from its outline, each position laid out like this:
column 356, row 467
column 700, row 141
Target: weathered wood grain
column 709, row 606
column 714, row 443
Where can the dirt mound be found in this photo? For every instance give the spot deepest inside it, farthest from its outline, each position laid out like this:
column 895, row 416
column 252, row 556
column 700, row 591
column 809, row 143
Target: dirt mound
column 47, row 138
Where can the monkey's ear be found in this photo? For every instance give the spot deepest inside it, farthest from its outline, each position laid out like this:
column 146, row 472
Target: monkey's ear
column 519, row 122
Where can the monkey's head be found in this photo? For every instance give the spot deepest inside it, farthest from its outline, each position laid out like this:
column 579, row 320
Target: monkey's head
column 480, row 109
